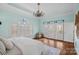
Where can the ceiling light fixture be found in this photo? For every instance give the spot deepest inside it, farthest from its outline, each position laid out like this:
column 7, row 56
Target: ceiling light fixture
column 38, row 12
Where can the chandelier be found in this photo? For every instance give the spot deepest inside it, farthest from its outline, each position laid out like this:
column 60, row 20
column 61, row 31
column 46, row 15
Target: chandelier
column 38, row 12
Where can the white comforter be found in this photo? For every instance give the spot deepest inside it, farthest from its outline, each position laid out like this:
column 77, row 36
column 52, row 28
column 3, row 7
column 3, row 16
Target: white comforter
column 33, row 47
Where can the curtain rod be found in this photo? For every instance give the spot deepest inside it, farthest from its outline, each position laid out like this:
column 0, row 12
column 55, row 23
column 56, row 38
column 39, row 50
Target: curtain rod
column 55, row 21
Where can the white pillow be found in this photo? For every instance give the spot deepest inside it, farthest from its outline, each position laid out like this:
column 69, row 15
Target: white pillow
column 2, row 48
column 8, row 44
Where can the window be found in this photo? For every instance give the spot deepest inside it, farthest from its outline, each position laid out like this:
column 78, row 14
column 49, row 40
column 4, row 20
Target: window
column 22, row 30
column 54, row 30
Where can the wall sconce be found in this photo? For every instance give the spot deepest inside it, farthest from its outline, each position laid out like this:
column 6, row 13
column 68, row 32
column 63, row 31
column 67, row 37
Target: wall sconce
column 0, row 22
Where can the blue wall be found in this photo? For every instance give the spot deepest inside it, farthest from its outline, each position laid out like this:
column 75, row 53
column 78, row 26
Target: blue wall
column 8, row 18
column 66, row 18
column 68, row 27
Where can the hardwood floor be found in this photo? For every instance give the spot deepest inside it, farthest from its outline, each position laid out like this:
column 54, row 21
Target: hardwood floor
column 67, row 48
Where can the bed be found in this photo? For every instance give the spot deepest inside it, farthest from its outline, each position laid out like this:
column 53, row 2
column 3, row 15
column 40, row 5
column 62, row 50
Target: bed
column 26, row 46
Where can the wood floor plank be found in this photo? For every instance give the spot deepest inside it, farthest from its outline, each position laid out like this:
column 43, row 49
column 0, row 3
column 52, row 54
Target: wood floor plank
column 66, row 48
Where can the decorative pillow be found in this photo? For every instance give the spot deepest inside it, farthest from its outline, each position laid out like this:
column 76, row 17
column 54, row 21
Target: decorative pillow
column 2, row 48
column 8, row 44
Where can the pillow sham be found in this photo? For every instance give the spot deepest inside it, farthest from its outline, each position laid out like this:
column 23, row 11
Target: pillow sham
column 2, row 48
column 8, row 44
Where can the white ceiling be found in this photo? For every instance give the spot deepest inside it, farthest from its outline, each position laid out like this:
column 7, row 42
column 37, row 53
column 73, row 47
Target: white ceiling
column 50, row 9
